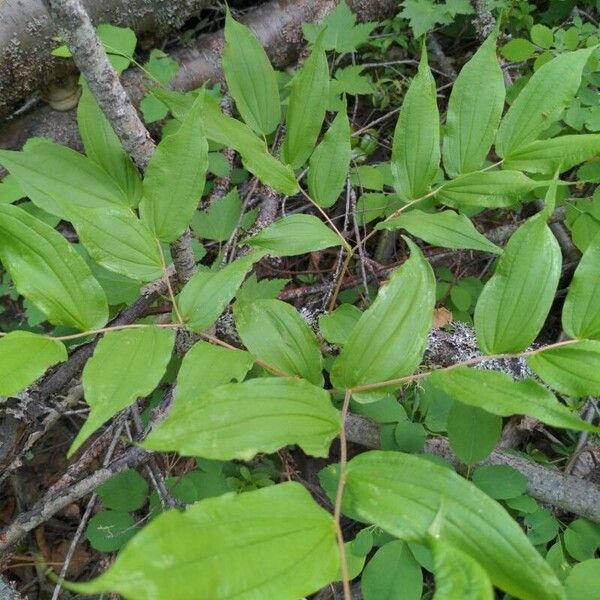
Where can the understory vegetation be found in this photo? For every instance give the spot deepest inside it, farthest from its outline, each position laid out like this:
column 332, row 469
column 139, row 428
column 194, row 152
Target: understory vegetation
column 330, row 331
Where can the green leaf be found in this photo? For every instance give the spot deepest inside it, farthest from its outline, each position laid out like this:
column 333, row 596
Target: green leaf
column 221, row 218
column 265, row 289
column 342, row 34
column 416, row 148
column 474, row 111
column 110, row 530
column 582, row 539
column 402, row 494
column 24, row 357
column 390, row 337
column 446, row 229
column 572, row 370
column 424, row 15
column 103, row 147
column 49, row 272
column 306, row 108
column 541, row 102
column 329, row 163
column 116, row 239
column 518, row 50
column 473, row 433
column 275, row 333
column 250, row 78
column 175, row 178
column 205, row 367
column 392, row 573
column 126, row 365
column 581, row 310
column 487, row 189
column 295, row 235
column 500, row 482
column 582, row 580
column 336, row 326
column 458, row 576
column 10, row 190
column 499, row 394
column 239, row 420
column 127, row 491
column 349, row 80
column 271, row 543
column 206, row 295
column 119, row 43
column 515, row 302
column 542, row 36
column 48, row 172
column 563, row 153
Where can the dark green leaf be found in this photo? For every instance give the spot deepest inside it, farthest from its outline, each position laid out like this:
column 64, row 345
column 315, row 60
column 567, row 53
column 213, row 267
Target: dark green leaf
column 109, row 530
column 501, row 482
column 127, row 491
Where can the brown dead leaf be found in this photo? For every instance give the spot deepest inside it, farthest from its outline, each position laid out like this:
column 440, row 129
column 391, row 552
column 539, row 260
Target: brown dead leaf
column 441, row 317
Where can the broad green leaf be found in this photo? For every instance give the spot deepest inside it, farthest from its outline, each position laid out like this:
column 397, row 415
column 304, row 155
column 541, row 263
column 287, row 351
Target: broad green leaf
column 116, row 239
column 515, row 302
column 402, row 494
column 275, row 333
column 581, row 310
column 24, row 357
column 205, row 367
column 48, row 172
column 49, row 272
column 10, row 190
column 306, row 107
column 271, row 543
column 295, row 235
column 119, row 43
column 336, row 326
column 583, row 581
column 390, row 337
column 541, row 102
column 501, row 395
column 239, row 420
column 235, row 134
column 250, row 78
column 206, row 295
column 518, row 50
column 446, row 229
column 126, row 365
column 501, row 482
column 487, row 189
column 572, row 370
column 127, row 491
column 473, row 433
column 220, row 220
column 103, row 147
column 329, row 163
column 416, row 148
column 458, row 576
column 474, row 111
column 542, row 36
column 175, row 178
column 110, row 530
column 392, row 572
column 546, row 156
column 265, row 289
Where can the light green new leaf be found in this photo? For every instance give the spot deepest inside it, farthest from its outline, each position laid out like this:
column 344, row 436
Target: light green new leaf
column 117, row 240
column 103, row 147
column 546, row 156
column 402, row 494
column 446, row 229
column 329, row 163
column 488, row 189
column 49, row 272
column 175, row 178
column 251, row 79
column 336, row 326
column 275, row 333
column 416, row 148
column 515, row 302
column 581, row 310
column 48, row 172
column 126, row 365
column 270, row 543
column 295, row 235
column 24, row 357
column 458, row 576
column 572, row 370
column 390, row 337
column 541, row 102
column 306, row 108
column 206, row 295
column 474, row 111
column 239, row 420
column 501, row 395
column 205, row 367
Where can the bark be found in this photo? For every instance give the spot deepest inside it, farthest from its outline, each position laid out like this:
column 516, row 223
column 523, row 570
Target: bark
column 27, row 32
